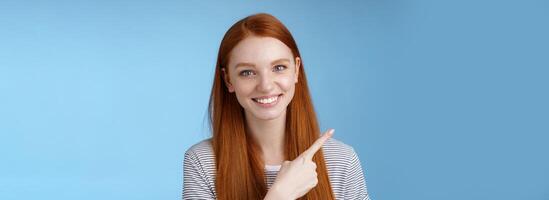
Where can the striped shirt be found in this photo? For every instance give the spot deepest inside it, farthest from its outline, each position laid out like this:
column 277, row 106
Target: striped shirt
column 344, row 171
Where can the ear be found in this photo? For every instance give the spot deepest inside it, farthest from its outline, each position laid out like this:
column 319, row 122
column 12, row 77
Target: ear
column 297, row 66
column 226, row 80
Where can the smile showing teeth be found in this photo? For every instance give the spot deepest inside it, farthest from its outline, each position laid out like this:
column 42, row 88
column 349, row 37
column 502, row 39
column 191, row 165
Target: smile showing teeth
column 266, row 100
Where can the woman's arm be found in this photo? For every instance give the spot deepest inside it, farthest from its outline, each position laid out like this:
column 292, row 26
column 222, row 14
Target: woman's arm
column 194, row 181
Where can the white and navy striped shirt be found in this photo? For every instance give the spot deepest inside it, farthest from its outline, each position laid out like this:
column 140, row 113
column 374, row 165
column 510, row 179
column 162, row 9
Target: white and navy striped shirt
column 344, row 171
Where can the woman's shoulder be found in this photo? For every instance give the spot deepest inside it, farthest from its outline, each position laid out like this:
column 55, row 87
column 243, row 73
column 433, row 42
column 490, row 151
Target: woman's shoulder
column 201, row 152
column 344, row 168
column 199, row 171
column 338, row 155
column 335, row 148
column 201, row 145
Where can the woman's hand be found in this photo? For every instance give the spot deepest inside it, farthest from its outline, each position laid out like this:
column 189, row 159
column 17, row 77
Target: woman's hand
column 298, row 176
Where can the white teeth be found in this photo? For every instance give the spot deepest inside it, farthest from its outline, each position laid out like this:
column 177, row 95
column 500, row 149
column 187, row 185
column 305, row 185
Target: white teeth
column 267, row 100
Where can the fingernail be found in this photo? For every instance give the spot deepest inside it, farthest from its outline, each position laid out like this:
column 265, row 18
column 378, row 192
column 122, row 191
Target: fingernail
column 332, row 132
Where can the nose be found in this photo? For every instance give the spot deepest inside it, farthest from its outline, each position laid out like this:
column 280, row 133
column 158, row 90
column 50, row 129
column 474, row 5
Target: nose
column 266, row 83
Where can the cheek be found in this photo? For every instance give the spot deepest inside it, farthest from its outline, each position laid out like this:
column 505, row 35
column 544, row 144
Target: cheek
column 287, row 83
column 243, row 87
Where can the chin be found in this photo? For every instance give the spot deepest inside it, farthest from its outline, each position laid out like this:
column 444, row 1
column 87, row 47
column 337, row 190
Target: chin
column 267, row 116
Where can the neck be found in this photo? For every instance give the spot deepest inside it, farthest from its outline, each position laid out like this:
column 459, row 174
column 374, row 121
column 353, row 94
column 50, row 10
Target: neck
column 269, row 135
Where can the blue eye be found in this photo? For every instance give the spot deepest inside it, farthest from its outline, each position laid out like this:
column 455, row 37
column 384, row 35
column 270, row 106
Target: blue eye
column 246, row 73
column 280, row 68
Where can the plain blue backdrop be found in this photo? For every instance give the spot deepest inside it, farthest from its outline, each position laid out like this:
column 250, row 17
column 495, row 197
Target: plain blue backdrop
column 441, row 99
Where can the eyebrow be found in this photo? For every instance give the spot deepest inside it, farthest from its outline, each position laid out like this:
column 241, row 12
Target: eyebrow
column 242, row 64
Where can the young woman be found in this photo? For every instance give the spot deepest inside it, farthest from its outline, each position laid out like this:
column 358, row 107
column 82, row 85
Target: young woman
column 266, row 140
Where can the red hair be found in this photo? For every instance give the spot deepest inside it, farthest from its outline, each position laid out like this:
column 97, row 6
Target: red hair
column 239, row 167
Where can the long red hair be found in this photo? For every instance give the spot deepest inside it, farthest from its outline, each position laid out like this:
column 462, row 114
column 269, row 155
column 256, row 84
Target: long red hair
column 239, row 167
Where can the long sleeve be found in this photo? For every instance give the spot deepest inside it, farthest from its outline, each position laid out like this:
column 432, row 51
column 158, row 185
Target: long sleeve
column 355, row 183
column 194, row 179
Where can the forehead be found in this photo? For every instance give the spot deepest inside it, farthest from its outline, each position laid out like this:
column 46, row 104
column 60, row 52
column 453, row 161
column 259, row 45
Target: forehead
column 259, row 50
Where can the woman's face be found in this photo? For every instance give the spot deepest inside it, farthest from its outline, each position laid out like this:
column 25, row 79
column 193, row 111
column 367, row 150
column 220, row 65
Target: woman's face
column 262, row 72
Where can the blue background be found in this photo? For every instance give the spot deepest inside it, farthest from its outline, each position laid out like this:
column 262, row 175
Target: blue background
column 441, row 99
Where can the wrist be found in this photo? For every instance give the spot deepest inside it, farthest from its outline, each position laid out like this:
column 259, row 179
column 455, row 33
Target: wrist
column 277, row 193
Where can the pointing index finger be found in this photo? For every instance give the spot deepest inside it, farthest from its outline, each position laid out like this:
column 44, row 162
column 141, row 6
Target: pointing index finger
column 310, row 152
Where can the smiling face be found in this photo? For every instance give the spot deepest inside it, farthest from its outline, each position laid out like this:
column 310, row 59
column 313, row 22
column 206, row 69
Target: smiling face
column 262, row 72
